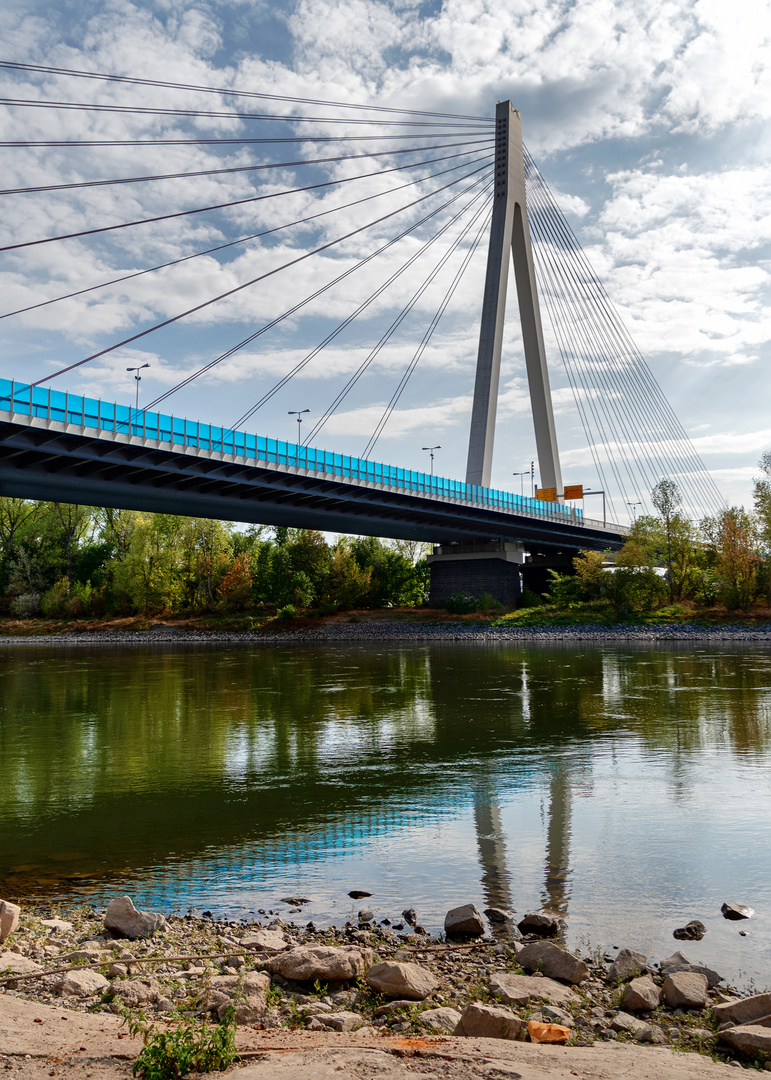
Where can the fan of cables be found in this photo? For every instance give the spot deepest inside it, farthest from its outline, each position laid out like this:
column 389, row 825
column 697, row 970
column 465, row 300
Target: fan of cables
column 427, row 177
column 633, row 434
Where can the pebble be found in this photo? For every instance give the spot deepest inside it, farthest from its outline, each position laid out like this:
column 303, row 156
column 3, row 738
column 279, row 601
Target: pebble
column 462, row 977
column 415, row 631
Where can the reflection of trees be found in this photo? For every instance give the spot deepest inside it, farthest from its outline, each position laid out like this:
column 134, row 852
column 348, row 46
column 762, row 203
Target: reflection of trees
column 129, row 755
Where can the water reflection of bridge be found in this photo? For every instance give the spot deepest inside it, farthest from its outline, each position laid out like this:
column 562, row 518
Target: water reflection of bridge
column 242, row 760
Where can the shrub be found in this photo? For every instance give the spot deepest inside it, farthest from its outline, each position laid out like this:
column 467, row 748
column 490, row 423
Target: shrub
column 462, row 603
column 26, row 605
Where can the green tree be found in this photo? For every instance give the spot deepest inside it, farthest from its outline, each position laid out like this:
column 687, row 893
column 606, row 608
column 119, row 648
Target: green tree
column 733, row 538
column 762, row 500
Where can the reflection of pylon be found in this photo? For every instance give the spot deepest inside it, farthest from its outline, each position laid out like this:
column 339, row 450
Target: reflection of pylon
column 510, row 229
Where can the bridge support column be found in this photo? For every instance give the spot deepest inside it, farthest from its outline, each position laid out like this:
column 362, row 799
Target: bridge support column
column 510, row 230
column 492, row 567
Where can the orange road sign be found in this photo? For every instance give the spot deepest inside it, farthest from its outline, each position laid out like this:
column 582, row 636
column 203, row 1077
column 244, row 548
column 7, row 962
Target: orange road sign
column 547, row 494
column 576, row 491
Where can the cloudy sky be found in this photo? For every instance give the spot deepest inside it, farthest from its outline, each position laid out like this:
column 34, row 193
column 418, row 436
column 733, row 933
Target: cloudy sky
column 650, row 122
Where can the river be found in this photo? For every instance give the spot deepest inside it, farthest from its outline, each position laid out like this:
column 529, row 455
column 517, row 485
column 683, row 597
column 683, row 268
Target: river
column 627, row 788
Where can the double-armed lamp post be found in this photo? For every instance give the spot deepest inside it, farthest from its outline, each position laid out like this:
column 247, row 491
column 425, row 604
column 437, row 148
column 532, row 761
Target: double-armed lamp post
column 299, row 413
column 431, row 450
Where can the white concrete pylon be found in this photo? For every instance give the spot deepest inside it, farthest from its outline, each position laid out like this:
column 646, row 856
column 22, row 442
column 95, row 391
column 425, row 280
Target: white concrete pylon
column 510, row 230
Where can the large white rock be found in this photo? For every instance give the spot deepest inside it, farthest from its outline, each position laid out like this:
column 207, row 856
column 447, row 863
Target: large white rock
column 443, row 1020
column 641, row 995
column 627, row 965
column 328, row 963
column 490, row 1022
column 13, row 964
column 520, row 989
column 748, row 1038
column 58, row 926
column 122, row 919
column 341, row 1021
column 464, row 920
column 81, row 984
column 264, row 941
column 685, row 990
column 9, row 919
column 745, row 1011
column 136, row 992
column 552, row 961
column 410, row 982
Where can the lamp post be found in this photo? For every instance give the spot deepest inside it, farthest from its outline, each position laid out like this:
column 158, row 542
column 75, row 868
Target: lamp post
column 138, row 381
column 299, row 413
column 431, row 450
column 521, row 476
column 632, row 506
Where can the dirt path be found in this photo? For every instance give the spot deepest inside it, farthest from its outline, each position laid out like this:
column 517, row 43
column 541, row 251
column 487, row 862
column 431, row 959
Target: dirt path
column 38, row 1041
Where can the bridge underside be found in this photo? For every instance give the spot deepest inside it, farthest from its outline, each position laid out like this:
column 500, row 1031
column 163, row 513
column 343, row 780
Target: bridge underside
column 50, row 461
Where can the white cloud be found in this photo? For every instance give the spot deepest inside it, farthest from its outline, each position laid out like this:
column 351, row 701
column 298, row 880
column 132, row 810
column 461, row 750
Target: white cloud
column 638, row 107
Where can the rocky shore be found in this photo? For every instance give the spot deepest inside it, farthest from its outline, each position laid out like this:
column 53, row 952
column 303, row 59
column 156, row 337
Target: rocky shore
column 412, row 632
column 488, row 976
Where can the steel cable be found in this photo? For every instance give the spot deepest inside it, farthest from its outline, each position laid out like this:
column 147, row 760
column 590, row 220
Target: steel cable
column 197, row 114
column 402, row 384
column 354, row 314
column 236, row 202
column 628, row 373
column 231, row 169
column 134, row 81
column 232, row 243
column 392, row 328
column 313, row 296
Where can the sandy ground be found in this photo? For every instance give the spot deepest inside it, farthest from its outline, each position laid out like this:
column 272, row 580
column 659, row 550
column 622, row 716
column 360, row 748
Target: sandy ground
column 39, row 1041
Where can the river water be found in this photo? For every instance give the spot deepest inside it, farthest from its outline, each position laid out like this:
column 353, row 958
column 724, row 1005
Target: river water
column 627, row 788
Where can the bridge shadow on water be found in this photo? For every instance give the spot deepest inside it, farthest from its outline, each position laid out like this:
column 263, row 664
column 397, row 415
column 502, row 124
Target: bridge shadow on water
column 120, row 766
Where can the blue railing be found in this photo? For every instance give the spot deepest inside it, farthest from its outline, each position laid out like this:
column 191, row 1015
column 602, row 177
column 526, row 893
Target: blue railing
column 73, row 409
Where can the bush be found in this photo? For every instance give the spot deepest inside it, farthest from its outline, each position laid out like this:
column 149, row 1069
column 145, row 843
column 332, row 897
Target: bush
column 26, row 605
column 462, row 603
column 287, row 612
column 56, row 601
column 565, row 590
column 530, row 598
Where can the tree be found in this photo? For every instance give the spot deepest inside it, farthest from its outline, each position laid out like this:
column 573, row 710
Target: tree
column 666, row 498
column 733, row 537
column 762, row 500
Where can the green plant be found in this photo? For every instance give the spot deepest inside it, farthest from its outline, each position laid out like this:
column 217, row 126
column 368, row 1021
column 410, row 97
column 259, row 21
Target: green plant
column 287, row 612
column 191, row 1047
column 461, row 603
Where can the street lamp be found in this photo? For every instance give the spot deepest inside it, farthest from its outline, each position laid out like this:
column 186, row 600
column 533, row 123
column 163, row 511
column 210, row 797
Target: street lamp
column 138, row 381
column 299, row 413
column 431, row 450
column 632, row 506
column 521, row 476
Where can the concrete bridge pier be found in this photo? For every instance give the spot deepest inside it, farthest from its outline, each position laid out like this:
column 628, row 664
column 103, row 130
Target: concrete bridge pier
column 492, row 567
column 501, row 568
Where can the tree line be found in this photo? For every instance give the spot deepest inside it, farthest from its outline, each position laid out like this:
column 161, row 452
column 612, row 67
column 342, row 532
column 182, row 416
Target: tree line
column 723, row 560
column 65, row 560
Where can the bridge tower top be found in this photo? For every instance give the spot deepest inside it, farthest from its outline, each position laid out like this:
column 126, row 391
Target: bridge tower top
column 510, row 230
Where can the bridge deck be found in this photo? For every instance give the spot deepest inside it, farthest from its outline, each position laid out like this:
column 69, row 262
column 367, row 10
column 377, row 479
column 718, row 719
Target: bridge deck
column 62, row 446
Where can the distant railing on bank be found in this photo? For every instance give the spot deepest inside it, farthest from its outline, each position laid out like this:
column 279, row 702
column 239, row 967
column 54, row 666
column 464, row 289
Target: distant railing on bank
column 92, row 413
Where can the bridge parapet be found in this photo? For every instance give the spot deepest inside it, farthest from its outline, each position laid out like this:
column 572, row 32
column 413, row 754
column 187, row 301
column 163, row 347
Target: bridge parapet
column 110, row 420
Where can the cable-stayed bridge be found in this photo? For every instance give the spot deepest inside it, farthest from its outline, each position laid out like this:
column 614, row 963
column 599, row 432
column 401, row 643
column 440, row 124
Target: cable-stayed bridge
column 437, row 186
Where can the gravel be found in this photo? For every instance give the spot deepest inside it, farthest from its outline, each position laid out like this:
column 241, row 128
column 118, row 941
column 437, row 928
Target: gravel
column 335, row 633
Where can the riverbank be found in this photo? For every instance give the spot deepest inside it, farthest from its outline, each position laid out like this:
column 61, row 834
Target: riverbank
column 363, row 627
column 290, row 982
